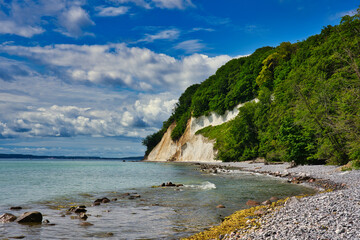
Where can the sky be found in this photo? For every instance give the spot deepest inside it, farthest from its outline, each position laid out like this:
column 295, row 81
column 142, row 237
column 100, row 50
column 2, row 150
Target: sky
column 93, row 78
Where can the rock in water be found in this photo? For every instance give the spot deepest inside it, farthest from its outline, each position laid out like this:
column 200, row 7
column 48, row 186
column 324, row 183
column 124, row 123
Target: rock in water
column 252, row 203
column 16, row 208
column 7, row 217
column 30, row 217
column 220, row 206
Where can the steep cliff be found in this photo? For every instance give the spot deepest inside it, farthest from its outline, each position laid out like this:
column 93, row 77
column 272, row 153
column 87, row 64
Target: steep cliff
column 191, row 147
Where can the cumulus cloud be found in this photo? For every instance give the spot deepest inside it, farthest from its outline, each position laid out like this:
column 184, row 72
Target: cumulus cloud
column 120, row 65
column 29, row 18
column 111, row 11
column 191, row 46
column 74, row 20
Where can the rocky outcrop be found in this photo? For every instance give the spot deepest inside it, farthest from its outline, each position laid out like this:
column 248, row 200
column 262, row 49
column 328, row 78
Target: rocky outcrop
column 30, row 217
column 191, row 147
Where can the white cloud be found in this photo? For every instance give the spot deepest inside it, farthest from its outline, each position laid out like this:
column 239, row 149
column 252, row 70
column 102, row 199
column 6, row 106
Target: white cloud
column 191, row 46
column 11, row 27
column 112, row 11
column 342, row 14
column 170, row 34
column 170, row 4
column 31, row 17
column 117, row 64
column 74, row 20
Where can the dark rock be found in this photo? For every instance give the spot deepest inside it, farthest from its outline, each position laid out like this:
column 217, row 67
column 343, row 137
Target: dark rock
column 105, row 200
column 7, row 217
column 46, row 221
column 30, row 217
column 80, row 210
column 179, row 185
column 220, row 206
column 170, row 184
column 163, row 185
column 252, row 203
column 71, row 209
column 82, row 206
column 17, row 237
column 96, row 204
column 99, row 200
column 114, row 199
column 16, row 208
column 83, row 216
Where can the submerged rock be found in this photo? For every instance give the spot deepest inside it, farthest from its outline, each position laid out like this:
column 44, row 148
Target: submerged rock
column 30, row 217
column 7, row 217
column 220, row 206
column 16, row 208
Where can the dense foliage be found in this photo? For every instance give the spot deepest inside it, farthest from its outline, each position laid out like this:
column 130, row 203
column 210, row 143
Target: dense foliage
column 309, row 108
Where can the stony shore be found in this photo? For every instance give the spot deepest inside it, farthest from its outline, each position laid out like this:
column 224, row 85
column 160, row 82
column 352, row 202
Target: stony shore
column 328, row 215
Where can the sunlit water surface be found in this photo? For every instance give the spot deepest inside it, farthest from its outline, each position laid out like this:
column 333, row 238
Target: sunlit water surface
column 51, row 186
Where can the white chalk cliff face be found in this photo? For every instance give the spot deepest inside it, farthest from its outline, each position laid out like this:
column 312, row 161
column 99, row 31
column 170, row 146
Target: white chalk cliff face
column 191, row 147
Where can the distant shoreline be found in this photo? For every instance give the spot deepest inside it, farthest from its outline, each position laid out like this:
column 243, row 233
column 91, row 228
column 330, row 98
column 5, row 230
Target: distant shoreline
column 29, row 156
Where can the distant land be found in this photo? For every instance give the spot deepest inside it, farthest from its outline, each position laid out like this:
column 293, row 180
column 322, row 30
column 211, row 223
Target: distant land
column 67, row 157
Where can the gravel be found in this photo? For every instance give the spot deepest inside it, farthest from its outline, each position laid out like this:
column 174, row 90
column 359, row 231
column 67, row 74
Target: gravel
column 329, row 215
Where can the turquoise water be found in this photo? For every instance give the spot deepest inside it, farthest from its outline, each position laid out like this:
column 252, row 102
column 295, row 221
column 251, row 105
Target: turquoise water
column 51, row 186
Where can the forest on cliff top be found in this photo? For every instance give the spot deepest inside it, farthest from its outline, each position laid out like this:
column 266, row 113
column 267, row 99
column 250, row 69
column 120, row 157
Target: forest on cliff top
column 309, row 101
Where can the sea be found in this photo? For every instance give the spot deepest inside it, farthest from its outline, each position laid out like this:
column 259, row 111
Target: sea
column 51, row 186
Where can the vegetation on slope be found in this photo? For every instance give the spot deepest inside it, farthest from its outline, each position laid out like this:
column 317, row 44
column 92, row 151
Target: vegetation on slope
column 309, row 108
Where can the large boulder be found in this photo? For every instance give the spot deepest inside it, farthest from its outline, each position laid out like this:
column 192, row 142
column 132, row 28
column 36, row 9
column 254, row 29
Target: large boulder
column 7, row 217
column 30, row 217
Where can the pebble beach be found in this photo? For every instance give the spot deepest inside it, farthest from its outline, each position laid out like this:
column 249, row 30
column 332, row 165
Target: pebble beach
column 328, row 215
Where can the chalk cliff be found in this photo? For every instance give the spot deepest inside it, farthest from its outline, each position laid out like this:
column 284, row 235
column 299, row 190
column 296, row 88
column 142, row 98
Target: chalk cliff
column 191, row 147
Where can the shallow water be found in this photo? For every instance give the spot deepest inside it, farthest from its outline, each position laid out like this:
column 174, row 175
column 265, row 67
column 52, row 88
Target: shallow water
column 51, row 186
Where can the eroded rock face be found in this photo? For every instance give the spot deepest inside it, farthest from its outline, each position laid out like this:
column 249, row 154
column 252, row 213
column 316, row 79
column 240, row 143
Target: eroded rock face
column 7, row 217
column 30, row 217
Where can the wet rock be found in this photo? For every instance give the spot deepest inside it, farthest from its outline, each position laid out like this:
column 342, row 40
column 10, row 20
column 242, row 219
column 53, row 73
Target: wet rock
column 105, row 200
column 170, row 184
column 96, row 204
column 17, row 237
column 179, row 185
column 7, row 217
column 134, row 196
column 82, row 206
column 16, row 208
column 274, row 199
column 220, row 206
column 86, row 224
column 267, row 202
column 80, row 210
column 30, row 217
column 252, row 203
column 114, row 199
column 46, row 221
column 99, row 200
column 83, row 216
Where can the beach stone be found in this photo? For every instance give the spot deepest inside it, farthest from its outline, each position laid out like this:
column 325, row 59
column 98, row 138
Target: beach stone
column 252, row 203
column 114, row 199
column 274, row 199
column 105, row 200
column 96, row 204
column 46, row 221
column 7, row 217
column 99, row 200
column 267, row 202
column 220, row 206
column 16, row 208
column 170, row 184
column 30, row 217
column 134, row 196
column 260, row 212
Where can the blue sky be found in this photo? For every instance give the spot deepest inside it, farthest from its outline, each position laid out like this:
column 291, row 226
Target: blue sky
column 95, row 77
